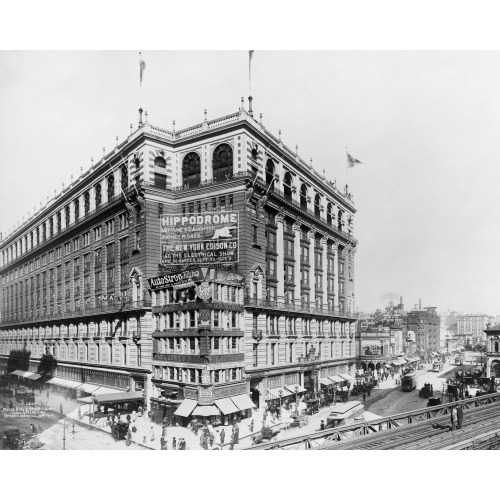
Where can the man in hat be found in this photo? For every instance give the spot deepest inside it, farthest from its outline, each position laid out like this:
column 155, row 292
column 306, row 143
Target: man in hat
column 460, row 416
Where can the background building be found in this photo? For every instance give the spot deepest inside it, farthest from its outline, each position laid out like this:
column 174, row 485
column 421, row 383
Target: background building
column 119, row 281
column 470, row 328
column 425, row 323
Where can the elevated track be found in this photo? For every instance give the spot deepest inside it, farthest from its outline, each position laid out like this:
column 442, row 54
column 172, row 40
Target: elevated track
column 410, row 430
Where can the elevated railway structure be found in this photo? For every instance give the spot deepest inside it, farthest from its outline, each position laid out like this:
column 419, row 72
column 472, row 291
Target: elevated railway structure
column 409, row 430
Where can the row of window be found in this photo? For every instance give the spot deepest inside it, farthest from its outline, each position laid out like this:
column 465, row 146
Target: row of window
column 193, row 375
column 191, row 345
column 71, row 213
column 68, row 248
column 190, row 319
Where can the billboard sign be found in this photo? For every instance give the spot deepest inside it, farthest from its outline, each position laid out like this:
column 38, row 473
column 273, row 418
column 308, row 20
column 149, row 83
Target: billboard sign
column 208, row 238
column 185, row 279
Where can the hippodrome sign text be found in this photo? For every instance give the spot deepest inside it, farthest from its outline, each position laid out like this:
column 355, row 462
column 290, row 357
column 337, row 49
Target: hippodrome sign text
column 207, row 238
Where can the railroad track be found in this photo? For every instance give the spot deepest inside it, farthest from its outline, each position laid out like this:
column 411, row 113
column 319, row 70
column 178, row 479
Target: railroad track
column 423, row 436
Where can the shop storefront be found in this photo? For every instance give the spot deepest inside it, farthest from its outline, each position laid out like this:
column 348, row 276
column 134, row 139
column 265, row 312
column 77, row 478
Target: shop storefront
column 214, row 405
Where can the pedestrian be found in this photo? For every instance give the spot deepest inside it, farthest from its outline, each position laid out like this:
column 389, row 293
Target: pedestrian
column 460, row 416
column 222, row 436
column 217, row 440
column 369, row 391
column 48, row 394
column 211, row 438
column 128, row 439
column 152, row 434
column 236, row 433
column 174, row 444
column 144, row 440
column 11, row 406
column 66, row 397
column 364, row 397
column 205, row 441
column 162, row 442
column 140, row 411
column 251, row 426
column 128, row 418
column 134, row 416
column 322, row 425
column 453, row 418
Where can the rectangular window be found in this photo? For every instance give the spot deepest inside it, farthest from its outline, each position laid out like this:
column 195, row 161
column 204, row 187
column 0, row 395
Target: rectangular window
column 160, row 209
column 222, row 201
column 191, row 208
column 124, row 248
column 255, row 354
column 214, row 204
column 230, row 202
column 97, row 233
column 76, row 244
column 86, row 263
column 137, row 241
column 110, row 277
column 110, row 227
column 110, row 254
column 86, row 238
column 97, row 258
column 255, row 233
column 58, row 252
column 123, row 221
column 272, row 241
column 67, row 248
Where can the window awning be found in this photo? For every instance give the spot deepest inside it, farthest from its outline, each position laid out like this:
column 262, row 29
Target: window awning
column 325, row 381
column 291, row 388
column 337, row 379
column 348, row 377
column 18, row 372
column 27, row 374
column 275, row 393
column 90, row 388
column 243, row 402
column 73, row 384
column 88, row 400
column 120, row 397
column 226, row 406
column 107, row 390
column 206, row 411
column 35, row 376
column 186, row 407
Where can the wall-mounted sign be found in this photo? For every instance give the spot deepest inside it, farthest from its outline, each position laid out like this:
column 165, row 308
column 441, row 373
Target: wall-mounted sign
column 204, row 290
column 199, row 239
column 205, row 395
column 205, row 316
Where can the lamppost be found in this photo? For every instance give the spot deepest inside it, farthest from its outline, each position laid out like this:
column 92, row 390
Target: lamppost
column 66, row 421
column 297, row 398
column 280, row 392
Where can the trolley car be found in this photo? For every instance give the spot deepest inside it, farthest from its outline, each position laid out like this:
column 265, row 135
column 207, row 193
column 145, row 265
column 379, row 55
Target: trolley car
column 409, row 382
column 436, row 366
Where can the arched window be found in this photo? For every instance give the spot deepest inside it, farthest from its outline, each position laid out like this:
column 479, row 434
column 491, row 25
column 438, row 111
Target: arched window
column 77, row 209
column 317, row 205
column 287, row 185
column 66, row 215
column 51, row 227
column 303, row 196
column 270, row 174
column 339, row 220
column 329, row 214
column 111, row 186
column 191, row 170
column 97, row 195
column 496, row 347
column 58, row 218
column 160, row 162
column 124, row 180
column 222, row 162
column 86, row 202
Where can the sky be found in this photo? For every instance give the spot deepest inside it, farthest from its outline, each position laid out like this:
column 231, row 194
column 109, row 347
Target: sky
column 424, row 124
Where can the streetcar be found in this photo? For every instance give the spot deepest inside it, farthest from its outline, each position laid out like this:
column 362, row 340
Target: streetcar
column 409, row 382
column 436, row 366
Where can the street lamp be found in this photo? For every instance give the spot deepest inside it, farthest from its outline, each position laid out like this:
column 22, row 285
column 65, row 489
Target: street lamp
column 280, row 392
column 66, row 421
column 297, row 398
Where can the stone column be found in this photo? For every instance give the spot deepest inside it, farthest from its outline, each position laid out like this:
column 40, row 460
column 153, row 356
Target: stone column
column 280, row 261
column 324, row 265
column 296, row 253
column 335, row 247
column 312, row 269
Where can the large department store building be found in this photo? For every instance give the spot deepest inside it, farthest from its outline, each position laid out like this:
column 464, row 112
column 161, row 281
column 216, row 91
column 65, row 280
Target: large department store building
column 209, row 266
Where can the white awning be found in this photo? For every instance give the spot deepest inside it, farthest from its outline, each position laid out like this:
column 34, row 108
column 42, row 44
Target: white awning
column 292, row 387
column 226, row 406
column 62, row 382
column 325, row 381
column 337, row 379
column 206, row 411
column 106, row 390
column 20, row 373
column 243, row 401
column 186, row 407
column 90, row 388
column 348, row 377
column 27, row 374
column 275, row 393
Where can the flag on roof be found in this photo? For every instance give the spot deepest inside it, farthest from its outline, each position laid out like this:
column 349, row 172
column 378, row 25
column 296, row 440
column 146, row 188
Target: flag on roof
column 142, row 67
column 351, row 161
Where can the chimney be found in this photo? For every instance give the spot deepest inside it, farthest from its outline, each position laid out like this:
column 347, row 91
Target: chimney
column 420, row 303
